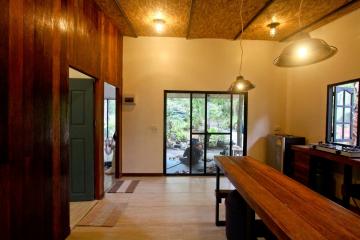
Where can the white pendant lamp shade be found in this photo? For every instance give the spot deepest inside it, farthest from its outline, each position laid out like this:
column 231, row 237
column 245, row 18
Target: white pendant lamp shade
column 241, row 85
column 304, row 52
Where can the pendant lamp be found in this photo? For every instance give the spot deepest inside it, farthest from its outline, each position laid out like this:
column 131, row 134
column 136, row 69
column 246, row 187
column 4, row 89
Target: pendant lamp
column 241, row 84
column 304, row 51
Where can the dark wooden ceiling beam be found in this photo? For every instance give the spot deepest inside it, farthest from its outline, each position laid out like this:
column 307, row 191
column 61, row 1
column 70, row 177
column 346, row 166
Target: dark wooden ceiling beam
column 126, row 17
column 266, row 5
column 346, row 5
column 190, row 18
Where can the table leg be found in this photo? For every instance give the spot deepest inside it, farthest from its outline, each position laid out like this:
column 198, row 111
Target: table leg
column 347, row 185
column 218, row 201
column 217, row 178
column 240, row 218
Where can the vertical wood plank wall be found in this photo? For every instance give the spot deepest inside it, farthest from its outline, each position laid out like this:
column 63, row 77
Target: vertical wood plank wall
column 39, row 40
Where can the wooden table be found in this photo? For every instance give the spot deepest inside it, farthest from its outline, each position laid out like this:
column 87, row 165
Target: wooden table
column 289, row 209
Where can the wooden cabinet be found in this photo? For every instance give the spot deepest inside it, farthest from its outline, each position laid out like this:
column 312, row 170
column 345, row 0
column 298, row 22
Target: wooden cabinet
column 301, row 167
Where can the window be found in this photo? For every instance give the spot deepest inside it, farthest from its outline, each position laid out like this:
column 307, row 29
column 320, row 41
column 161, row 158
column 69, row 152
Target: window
column 342, row 113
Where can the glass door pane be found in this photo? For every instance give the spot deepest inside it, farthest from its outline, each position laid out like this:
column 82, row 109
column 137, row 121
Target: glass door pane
column 197, row 154
column 198, row 113
column 238, row 127
column 218, row 144
column 218, row 113
column 218, row 128
column 177, row 133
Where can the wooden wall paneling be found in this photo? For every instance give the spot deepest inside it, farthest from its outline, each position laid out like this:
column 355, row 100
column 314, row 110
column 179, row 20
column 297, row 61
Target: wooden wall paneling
column 83, row 36
column 111, row 72
column 34, row 66
column 15, row 143
column 4, row 166
column 39, row 40
column 60, row 168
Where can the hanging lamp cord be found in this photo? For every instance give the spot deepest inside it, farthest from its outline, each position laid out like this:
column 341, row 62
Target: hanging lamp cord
column 300, row 6
column 242, row 31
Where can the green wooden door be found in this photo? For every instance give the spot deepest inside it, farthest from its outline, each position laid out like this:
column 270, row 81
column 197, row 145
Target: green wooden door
column 81, row 139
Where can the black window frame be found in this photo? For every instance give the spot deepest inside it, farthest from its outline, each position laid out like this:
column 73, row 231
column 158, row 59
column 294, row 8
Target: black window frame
column 192, row 92
column 331, row 106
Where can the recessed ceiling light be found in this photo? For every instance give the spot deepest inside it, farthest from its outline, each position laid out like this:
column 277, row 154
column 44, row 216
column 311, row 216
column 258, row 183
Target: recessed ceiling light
column 273, row 27
column 159, row 25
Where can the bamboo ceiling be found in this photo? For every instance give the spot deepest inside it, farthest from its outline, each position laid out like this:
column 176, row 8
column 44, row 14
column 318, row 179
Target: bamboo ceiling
column 221, row 18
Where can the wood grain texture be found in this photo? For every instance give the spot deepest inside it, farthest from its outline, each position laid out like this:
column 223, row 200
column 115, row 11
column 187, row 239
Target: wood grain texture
column 39, row 41
column 289, row 209
column 4, row 166
column 221, row 18
column 83, row 36
column 34, row 54
column 142, row 13
column 95, row 48
column 354, row 162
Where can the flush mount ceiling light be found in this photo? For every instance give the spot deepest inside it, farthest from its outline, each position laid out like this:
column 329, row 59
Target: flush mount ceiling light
column 273, row 27
column 241, row 84
column 304, row 51
column 159, row 25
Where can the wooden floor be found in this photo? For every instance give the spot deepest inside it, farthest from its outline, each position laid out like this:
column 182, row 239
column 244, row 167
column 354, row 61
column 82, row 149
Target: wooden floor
column 176, row 208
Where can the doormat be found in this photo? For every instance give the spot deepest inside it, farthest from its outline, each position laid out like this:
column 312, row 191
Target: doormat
column 104, row 214
column 124, row 186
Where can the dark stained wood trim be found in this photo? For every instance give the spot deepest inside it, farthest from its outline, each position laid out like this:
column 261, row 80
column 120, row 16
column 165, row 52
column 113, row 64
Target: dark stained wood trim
column 118, row 4
column 346, row 5
column 142, row 175
column 266, row 5
column 4, row 167
column 118, row 132
column 190, row 18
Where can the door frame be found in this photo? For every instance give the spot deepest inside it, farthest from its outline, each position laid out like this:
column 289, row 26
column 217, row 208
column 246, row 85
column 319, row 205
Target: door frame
column 191, row 92
column 98, row 147
column 118, row 109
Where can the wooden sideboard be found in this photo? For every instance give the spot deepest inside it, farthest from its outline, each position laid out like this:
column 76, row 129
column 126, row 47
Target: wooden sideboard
column 313, row 168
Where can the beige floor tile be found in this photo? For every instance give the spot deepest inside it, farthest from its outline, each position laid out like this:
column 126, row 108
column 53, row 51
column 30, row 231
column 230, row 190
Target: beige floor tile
column 171, row 208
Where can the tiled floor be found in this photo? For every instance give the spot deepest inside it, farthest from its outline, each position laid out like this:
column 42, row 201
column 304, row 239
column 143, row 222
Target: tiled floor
column 78, row 210
column 174, row 208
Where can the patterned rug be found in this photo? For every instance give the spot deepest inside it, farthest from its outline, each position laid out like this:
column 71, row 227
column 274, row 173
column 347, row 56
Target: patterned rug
column 124, row 186
column 103, row 214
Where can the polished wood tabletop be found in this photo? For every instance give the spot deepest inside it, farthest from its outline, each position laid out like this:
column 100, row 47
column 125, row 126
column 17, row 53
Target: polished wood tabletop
column 289, row 209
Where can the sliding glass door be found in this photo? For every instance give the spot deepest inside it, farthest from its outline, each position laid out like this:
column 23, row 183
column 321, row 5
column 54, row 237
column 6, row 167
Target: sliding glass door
column 199, row 126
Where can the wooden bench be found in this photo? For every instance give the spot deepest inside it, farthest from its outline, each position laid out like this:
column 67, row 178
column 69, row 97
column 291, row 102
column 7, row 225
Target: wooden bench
column 289, row 209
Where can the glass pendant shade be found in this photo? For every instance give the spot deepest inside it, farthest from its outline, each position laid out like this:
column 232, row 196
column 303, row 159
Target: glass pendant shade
column 304, row 52
column 241, row 85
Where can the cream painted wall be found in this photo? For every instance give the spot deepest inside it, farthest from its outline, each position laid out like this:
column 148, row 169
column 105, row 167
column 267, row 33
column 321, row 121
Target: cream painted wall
column 152, row 65
column 306, row 86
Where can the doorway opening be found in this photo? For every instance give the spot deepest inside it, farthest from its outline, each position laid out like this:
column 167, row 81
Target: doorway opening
column 200, row 125
column 110, row 135
column 81, row 149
